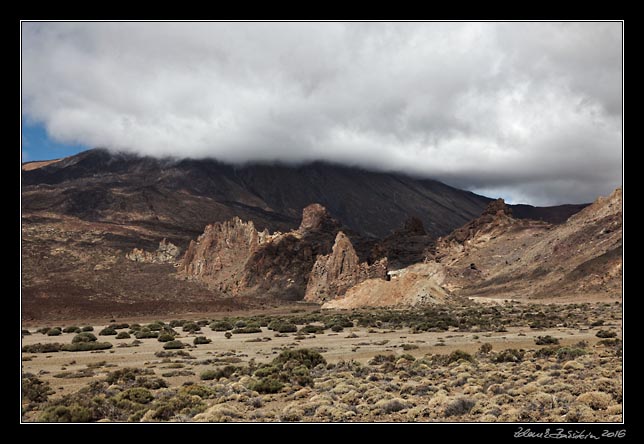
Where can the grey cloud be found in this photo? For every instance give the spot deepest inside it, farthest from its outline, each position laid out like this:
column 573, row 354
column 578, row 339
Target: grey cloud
column 532, row 110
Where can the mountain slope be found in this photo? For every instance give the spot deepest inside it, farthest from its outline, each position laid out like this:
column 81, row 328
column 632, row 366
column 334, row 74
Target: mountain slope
column 500, row 256
column 185, row 195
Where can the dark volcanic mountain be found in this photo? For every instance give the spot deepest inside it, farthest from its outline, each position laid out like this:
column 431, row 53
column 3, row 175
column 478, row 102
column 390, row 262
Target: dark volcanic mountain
column 99, row 229
column 186, row 195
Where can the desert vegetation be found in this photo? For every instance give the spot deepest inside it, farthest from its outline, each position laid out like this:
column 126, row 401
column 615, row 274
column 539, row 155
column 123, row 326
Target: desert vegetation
column 439, row 363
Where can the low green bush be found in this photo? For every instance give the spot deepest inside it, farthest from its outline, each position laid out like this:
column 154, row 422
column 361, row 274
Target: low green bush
column 457, row 355
column 63, row 413
column 303, row 356
column 312, row 329
column 108, row 331
column 42, row 348
column 54, row 332
column 165, row 337
column 84, row 337
column 266, row 386
column 72, row 329
column 201, row 340
column 221, row 326
column 88, row 328
column 35, row 389
column 123, row 335
column 248, row 329
column 146, row 334
column 191, row 327
column 509, row 355
column 599, row 334
column 86, row 346
column 137, row 394
column 120, row 326
column 546, row 340
column 173, row 345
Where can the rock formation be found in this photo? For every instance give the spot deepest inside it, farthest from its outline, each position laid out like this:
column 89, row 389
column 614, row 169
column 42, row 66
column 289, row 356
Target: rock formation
column 406, row 246
column 166, row 253
column 236, row 259
column 333, row 274
column 499, row 256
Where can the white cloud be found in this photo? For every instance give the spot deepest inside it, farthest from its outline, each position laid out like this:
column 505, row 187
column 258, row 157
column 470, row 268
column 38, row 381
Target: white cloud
column 531, row 108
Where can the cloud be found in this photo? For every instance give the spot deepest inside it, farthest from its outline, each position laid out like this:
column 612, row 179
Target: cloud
column 532, row 110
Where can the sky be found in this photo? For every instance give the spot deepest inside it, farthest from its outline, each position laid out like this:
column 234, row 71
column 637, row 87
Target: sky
column 531, row 112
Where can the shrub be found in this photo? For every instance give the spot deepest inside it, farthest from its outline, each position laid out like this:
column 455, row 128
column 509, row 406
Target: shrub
column 42, row 348
column 459, row 407
column 248, row 329
column 337, row 328
column 123, row 335
column 485, row 348
column 221, row 326
column 228, row 335
column 173, row 345
column 43, row 330
column 267, row 385
column 201, row 340
column 53, row 332
column 86, row 346
column 179, row 404
column 155, row 326
column 62, row 413
column 509, row 355
column 108, row 331
column 611, row 342
column 597, row 323
column 546, row 340
column 457, row 355
column 88, row 328
column 303, row 356
column 599, row 334
column 72, row 329
column 408, row 347
column 546, row 352
column 312, row 329
column 25, row 332
column 208, row 375
column 138, row 395
column 177, row 323
column 146, row 334
column 165, row 337
column 225, row 372
column 84, row 337
column 567, row 353
column 381, row 359
column 126, row 375
column 284, row 327
column 191, row 327
column 240, row 324
column 35, row 389
column 119, row 326
column 387, row 406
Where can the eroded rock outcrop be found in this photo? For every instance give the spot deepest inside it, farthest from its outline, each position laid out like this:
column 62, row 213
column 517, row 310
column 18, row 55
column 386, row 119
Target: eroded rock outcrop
column 408, row 245
column 218, row 256
column 333, row 274
column 233, row 257
column 166, row 253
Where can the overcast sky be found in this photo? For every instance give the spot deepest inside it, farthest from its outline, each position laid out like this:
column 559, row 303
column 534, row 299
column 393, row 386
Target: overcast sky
column 528, row 111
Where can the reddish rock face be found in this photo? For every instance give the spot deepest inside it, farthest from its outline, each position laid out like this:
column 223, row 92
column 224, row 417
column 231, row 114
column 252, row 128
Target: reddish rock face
column 218, row 256
column 233, row 257
column 333, row 274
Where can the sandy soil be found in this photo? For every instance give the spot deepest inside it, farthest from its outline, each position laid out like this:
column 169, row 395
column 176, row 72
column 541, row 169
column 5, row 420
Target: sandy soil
column 333, row 346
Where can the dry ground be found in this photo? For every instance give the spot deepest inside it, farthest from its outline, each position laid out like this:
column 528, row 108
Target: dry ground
column 382, row 372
